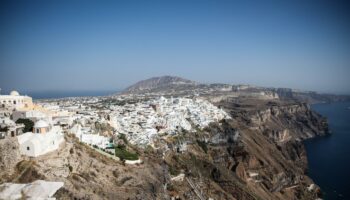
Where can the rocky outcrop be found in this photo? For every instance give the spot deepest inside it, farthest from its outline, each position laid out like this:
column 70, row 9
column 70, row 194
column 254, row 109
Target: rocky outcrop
column 9, row 157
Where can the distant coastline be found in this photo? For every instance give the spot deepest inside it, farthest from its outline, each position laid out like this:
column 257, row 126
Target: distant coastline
column 65, row 94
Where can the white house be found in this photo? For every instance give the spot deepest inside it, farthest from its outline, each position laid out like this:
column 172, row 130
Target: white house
column 89, row 138
column 42, row 140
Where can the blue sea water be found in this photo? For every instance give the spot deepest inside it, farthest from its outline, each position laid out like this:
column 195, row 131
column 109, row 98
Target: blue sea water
column 329, row 157
column 63, row 94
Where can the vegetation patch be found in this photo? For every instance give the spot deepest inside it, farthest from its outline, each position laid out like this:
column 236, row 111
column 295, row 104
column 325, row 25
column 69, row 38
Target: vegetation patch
column 123, row 154
column 28, row 124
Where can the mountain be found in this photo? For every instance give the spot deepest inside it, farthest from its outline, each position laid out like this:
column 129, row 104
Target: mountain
column 159, row 82
column 177, row 86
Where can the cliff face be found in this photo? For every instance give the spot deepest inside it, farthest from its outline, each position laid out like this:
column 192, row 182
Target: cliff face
column 256, row 155
column 309, row 97
column 276, row 160
column 286, row 122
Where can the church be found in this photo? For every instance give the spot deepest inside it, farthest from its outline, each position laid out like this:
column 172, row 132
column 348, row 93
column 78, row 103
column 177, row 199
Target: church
column 44, row 139
column 16, row 101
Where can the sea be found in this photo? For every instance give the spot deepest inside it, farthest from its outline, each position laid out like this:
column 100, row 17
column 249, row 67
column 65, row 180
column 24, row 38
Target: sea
column 63, row 94
column 329, row 156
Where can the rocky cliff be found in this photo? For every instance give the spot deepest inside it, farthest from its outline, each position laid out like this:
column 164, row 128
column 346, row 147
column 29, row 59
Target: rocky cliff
column 256, row 155
column 309, row 96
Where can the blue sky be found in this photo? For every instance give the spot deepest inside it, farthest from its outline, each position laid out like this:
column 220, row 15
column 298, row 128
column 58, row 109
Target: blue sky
column 108, row 45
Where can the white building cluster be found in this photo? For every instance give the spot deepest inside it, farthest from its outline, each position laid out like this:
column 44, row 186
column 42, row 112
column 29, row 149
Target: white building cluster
column 95, row 121
column 140, row 122
column 16, row 113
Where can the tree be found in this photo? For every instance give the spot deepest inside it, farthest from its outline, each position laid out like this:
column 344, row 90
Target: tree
column 28, row 124
column 4, row 129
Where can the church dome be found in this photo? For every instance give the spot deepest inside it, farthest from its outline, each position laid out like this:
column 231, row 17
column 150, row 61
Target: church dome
column 14, row 93
column 41, row 124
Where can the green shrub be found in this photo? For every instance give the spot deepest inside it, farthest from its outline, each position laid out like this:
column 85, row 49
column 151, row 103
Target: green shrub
column 28, row 124
column 123, row 154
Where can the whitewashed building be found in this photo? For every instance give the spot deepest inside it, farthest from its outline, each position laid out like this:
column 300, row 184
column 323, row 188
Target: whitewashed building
column 42, row 140
column 14, row 100
column 86, row 137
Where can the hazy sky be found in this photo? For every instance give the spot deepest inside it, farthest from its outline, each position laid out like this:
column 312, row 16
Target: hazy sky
column 108, row 45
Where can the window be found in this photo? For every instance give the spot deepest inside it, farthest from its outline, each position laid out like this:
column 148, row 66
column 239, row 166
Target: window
column 28, row 148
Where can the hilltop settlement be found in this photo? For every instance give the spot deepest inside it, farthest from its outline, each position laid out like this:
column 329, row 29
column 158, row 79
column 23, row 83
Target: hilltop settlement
column 162, row 138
